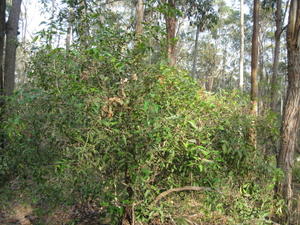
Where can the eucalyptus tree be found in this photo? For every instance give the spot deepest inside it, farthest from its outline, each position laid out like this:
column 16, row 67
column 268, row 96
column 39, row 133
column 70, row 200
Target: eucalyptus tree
column 9, row 32
column 69, row 29
column 280, row 16
column 139, row 17
column 242, row 43
column 254, row 67
column 171, row 13
column 200, row 13
column 8, row 49
column 227, row 32
column 2, row 42
column 278, row 32
column 203, row 15
column 291, row 115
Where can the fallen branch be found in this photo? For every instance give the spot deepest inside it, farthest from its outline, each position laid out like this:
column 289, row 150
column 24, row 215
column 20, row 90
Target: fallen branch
column 186, row 188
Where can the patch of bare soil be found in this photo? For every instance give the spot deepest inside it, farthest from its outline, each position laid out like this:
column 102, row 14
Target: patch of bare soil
column 18, row 215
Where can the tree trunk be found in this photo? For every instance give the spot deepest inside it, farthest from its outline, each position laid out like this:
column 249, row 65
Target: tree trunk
column 254, row 68
column 276, row 54
column 210, row 83
column 223, row 82
column 195, row 56
column 242, row 44
column 262, row 77
column 2, row 44
column 291, row 115
column 2, row 41
column 69, row 30
column 139, row 17
column 171, row 24
column 83, row 26
column 11, row 47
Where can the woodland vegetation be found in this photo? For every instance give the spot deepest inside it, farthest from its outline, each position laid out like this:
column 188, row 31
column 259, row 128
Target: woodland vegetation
column 138, row 112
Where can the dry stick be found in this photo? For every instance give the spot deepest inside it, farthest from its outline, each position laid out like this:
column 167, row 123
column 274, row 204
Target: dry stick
column 186, row 188
column 133, row 215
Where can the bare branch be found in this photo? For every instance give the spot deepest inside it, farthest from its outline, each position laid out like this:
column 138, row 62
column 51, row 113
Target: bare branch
column 186, row 188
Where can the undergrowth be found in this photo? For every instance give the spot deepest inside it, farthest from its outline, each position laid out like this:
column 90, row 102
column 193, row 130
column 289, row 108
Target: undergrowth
column 102, row 126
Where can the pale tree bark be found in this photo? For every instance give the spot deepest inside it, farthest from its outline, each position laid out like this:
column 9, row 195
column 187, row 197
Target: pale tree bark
column 2, row 41
column 139, row 17
column 254, row 68
column 261, row 73
column 69, row 30
column 2, row 44
column 222, row 83
column 278, row 32
column 195, row 55
column 210, row 83
column 171, row 24
column 11, row 47
column 291, row 114
column 24, row 21
column 242, row 41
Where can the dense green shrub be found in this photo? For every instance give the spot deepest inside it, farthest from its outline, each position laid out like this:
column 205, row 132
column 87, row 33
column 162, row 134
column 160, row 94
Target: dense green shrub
column 101, row 124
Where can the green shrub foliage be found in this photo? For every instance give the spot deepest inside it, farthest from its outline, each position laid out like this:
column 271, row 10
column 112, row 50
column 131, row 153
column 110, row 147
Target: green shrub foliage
column 102, row 124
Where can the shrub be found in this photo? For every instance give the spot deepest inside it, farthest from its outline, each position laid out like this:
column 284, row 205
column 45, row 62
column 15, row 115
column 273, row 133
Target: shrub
column 101, row 124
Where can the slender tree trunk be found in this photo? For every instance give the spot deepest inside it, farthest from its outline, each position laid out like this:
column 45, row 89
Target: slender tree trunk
column 2, row 45
column 254, row 68
column 69, row 30
column 195, row 55
column 83, row 26
column 242, row 44
column 2, row 41
column 276, row 53
column 68, row 37
column 223, row 72
column 291, row 114
column 24, row 21
column 171, row 24
column 262, row 77
column 139, row 17
column 11, row 47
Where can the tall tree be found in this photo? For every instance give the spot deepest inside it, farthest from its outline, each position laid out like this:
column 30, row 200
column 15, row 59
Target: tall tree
column 203, row 15
column 2, row 38
column 171, row 25
column 83, row 27
column 242, row 42
column 195, row 53
column 291, row 115
column 254, row 67
column 69, row 29
column 139, row 17
column 278, row 32
column 11, row 47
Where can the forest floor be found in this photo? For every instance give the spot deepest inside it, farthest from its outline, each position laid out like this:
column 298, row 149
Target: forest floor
column 18, row 208
column 26, row 214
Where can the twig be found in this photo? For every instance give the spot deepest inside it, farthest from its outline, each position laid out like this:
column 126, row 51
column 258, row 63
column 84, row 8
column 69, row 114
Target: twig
column 186, row 188
column 132, row 215
column 191, row 222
